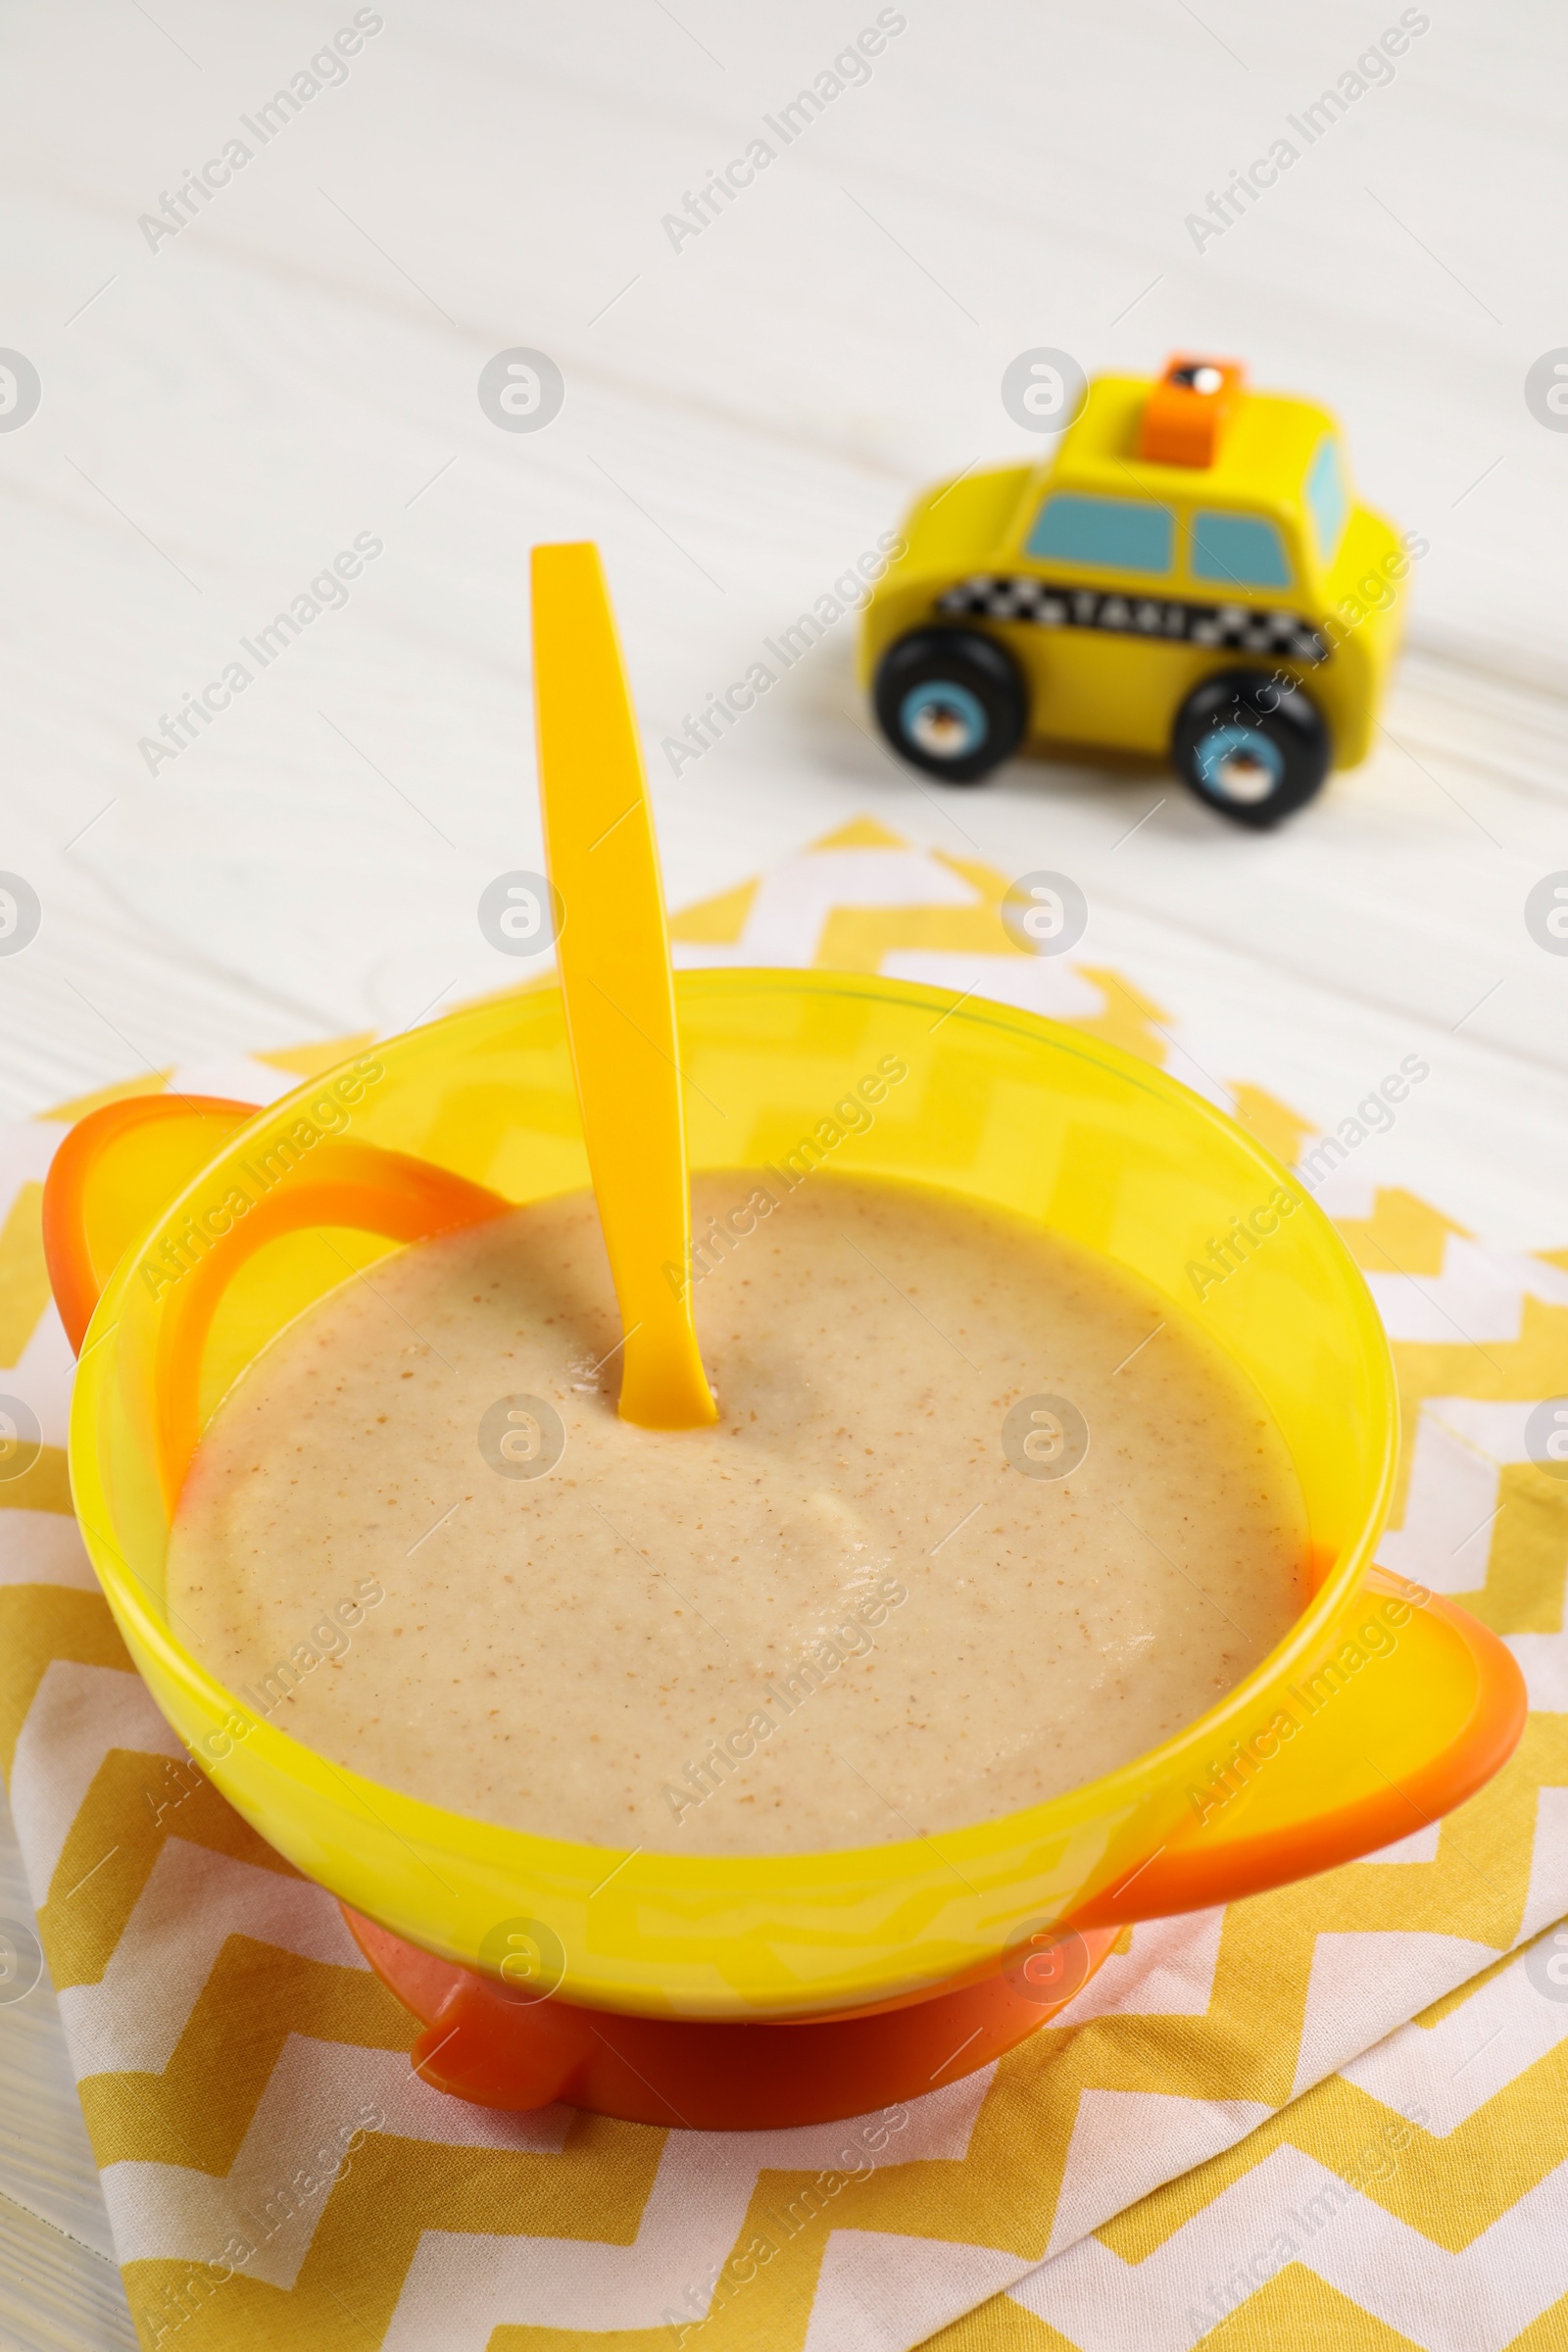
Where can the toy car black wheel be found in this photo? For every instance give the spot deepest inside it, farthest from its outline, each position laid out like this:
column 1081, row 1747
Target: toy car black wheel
column 1251, row 744
column 951, row 702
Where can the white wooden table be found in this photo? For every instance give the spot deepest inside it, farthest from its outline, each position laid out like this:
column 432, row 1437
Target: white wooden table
column 225, row 408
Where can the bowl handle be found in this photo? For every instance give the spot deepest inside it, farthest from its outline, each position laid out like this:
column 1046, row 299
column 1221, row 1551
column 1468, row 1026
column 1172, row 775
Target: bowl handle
column 119, row 1168
column 1393, row 1734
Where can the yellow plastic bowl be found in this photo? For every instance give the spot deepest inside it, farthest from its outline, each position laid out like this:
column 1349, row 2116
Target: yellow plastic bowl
column 997, row 1106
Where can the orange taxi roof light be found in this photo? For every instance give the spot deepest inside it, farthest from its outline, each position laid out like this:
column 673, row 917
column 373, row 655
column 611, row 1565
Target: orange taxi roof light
column 1188, row 410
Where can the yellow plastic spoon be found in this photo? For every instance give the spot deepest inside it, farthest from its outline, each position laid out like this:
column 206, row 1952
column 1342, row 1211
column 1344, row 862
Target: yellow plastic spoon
column 613, row 951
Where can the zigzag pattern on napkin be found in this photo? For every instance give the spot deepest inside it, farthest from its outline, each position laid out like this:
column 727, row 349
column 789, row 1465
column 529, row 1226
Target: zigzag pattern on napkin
column 1097, row 2189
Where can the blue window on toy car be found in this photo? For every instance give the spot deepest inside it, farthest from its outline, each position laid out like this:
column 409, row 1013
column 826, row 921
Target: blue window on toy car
column 1327, row 497
column 1239, row 551
column 1123, row 534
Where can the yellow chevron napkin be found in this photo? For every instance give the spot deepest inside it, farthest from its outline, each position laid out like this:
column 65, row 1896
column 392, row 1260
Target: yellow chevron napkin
column 1332, row 2116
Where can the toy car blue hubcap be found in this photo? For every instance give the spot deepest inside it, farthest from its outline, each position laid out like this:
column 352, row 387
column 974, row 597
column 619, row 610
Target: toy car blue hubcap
column 1240, row 763
column 946, row 721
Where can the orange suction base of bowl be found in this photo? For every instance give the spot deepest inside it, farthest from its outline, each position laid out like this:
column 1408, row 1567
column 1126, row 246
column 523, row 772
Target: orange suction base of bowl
column 485, row 2043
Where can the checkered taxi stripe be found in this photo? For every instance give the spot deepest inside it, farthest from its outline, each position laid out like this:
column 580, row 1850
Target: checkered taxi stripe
column 1245, row 628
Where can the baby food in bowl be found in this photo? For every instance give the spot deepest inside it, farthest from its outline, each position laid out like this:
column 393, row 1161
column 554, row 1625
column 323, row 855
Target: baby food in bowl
column 982, row 1519
column 1057, row 1298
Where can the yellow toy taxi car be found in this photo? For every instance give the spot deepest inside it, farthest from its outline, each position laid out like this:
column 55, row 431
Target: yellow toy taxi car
column 1189, row 576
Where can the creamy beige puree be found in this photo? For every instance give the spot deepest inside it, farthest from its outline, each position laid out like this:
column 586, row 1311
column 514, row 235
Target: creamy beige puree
column 842, row 1616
